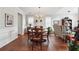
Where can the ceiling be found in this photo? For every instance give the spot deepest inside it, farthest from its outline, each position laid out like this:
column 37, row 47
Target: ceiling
column 48, row 11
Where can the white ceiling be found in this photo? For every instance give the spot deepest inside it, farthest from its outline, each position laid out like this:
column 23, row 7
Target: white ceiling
column 43, row 10
column 48, row 11
column 68, row 10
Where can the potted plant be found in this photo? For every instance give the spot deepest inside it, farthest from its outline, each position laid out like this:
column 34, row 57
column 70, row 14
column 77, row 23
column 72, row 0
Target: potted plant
column 73, row 46
column 49, row 29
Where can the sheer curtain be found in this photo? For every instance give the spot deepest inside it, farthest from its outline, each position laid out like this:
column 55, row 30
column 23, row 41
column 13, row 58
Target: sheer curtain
column 31, row 21
column 48, row 22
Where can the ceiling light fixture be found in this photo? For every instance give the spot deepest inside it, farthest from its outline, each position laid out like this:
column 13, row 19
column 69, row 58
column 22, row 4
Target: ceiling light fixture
column 39, row 16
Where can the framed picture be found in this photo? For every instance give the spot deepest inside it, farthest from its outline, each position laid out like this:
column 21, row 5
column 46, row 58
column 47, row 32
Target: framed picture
column 9, row 20
column 40, row 20
column 36, row 20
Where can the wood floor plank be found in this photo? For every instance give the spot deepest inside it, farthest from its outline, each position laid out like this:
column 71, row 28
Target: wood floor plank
column 21, row 44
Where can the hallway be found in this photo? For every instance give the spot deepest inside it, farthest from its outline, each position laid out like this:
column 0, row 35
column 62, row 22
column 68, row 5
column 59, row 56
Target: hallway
column 20, row 44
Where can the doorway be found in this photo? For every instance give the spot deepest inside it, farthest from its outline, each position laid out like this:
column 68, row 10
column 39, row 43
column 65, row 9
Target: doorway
column 20, row 23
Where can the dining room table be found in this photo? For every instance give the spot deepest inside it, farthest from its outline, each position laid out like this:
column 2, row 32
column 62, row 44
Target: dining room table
column 33, row 29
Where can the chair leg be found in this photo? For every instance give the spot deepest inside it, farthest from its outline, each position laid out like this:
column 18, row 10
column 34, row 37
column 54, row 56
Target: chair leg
column 41, row 46
column 32, row 45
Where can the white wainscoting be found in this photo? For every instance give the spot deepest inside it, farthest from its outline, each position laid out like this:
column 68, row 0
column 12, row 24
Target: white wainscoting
column 7, row 36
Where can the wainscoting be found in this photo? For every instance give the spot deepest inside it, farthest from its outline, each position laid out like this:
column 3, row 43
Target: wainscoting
column 7, row 36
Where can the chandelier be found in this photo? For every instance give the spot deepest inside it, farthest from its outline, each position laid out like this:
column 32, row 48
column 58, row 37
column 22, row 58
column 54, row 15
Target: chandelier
column 39, row 16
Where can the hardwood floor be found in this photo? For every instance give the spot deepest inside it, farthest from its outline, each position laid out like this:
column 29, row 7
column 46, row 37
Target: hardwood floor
column 21, row 44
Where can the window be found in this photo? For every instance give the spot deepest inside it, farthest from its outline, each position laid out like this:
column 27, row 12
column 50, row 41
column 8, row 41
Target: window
column 31, row 21
column 48, row 22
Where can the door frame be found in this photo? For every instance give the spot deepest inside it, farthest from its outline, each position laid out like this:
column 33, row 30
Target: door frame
column 20, row 23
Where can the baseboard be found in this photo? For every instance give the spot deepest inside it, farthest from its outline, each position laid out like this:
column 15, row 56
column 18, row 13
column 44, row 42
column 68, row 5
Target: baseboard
column 7, row 41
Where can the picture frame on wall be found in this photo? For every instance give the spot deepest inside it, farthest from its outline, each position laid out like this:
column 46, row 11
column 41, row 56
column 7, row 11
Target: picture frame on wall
column 40, row 20
column 8, row 20
column 36, row 20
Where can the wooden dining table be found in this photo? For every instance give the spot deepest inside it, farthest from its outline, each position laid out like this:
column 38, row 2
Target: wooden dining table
column 44, row 30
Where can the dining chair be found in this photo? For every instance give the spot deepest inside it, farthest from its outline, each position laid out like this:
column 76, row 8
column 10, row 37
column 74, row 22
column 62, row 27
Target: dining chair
column 41, row 26
column 37, row 37
column 29, row 33
column 46, row 35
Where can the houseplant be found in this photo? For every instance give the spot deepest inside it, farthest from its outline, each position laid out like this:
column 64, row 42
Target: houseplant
column 49, row 29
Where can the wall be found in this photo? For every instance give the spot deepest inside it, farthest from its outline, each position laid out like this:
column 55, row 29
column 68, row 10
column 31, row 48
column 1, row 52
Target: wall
column 38, row 23
column 8, row 34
